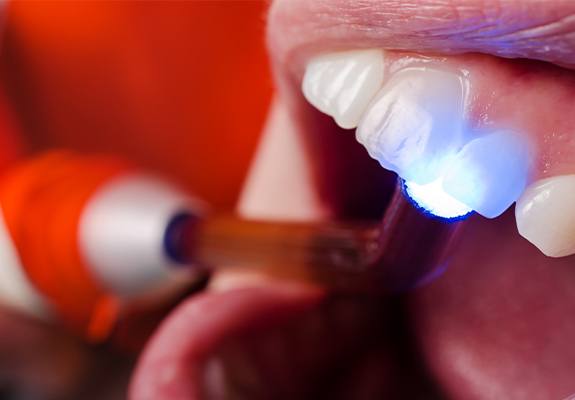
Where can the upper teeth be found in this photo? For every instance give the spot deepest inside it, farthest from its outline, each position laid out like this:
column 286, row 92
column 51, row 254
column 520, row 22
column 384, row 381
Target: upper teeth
column 343, row 84
column 544, row 218
column 414, row 124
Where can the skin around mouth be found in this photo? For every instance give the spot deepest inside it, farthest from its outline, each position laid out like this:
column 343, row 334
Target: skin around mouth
column 495, row 325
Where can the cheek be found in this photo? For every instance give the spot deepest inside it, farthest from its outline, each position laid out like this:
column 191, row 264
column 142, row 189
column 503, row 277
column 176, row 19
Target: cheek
column 160, row 83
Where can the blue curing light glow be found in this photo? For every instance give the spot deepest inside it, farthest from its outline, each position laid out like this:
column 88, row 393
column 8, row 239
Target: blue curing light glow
column 433, row 200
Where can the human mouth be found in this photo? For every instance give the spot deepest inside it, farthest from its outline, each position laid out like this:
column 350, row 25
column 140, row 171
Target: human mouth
column 452, row 122
column 496, row 319
column 477, row 324
column 496, row 134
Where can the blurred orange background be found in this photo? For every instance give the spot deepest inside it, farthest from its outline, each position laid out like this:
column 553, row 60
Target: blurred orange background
column 180, row 87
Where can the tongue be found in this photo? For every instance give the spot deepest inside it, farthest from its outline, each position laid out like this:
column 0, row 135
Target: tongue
column 172, row 364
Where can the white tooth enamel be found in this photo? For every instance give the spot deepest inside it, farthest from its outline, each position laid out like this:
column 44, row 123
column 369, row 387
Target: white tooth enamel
column 342, row 84
column 489, row 173
column 545, row 215
column 415, row 123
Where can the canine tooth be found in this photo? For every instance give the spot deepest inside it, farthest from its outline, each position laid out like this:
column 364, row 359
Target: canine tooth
column 489, row 173
column 415, row 123
column 545, row 215
column 342, row 84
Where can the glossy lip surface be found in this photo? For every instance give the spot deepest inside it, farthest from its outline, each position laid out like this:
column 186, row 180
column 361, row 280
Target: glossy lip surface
column 188, row 336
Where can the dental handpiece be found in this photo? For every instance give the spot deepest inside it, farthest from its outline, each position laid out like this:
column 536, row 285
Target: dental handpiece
column 83, row 237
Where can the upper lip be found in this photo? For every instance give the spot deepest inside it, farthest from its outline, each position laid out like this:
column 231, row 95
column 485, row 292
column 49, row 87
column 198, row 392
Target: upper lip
column 534, row 29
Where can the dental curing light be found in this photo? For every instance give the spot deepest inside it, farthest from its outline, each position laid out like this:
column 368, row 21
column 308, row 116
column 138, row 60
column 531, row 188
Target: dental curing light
column 393, row 254
column 83, row 237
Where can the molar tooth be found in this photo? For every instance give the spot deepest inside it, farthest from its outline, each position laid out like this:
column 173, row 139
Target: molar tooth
column 489, row 173
column 545, row 215
column 342, row 84
column 415, row 123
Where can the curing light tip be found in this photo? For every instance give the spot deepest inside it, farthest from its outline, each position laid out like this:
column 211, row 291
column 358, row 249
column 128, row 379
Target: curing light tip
column 432, row 199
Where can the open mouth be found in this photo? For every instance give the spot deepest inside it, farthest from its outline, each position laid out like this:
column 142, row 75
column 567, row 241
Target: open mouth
column 494, row 131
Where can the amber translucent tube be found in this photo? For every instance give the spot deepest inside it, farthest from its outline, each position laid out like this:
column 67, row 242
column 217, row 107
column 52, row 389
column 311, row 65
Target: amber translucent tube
column 392, row 254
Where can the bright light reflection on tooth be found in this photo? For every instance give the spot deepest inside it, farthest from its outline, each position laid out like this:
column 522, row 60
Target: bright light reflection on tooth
column 489, row 173
column 434, row 200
